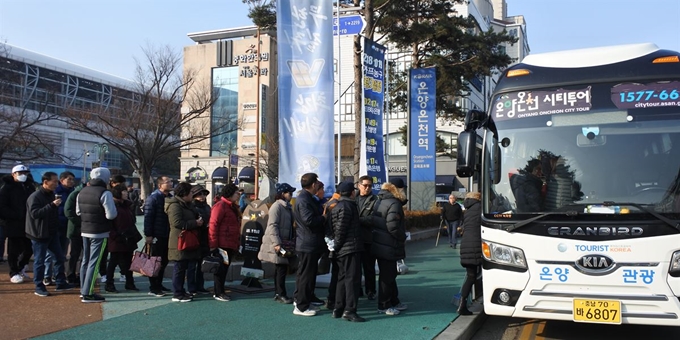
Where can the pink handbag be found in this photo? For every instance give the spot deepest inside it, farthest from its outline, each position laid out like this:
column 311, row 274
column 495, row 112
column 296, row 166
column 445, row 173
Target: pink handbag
column 144, row 263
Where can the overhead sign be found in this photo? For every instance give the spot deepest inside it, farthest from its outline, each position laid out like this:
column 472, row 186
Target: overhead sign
column 349, row 25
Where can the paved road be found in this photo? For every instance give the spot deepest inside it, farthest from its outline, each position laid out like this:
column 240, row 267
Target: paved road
column 504, row 328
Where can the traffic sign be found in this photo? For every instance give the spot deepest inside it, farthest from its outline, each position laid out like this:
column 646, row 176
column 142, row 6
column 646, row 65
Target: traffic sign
column 349, row 25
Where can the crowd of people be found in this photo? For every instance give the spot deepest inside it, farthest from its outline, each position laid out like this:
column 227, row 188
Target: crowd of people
column 353, row 230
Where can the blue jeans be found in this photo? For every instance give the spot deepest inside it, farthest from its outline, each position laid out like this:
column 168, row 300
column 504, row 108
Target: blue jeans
column 40, row 249
column 50, row 259
column 453, row 228
column 93, row 249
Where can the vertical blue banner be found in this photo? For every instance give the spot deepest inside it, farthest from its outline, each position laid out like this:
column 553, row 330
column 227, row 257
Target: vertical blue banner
column 422, row 129
column 374, row 100
column 305, row 62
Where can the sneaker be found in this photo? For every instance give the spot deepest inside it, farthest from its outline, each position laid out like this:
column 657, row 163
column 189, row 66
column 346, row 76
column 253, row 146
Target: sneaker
column 283, row 299
column 111, row 288
column 181, row 298
column 164, row 289
column 17, row 279
column 401, row 307
column 63, row 287
column 122, row 278
column 131, row 287
column 156, row 293
column 316, row 301
column 388, row 311
column 94, row 298
column 102, row 279
column 47, row 281
column 222, row 297
column 23, row 273
column 314, row 308
column 308, row 312
column 42, row 292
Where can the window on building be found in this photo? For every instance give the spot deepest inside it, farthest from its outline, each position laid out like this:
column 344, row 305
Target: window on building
column 224, row 112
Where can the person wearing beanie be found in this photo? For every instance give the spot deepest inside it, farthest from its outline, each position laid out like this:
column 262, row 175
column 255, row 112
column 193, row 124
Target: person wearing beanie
column 347, row 246
column 96, row 207
column 470, row 246
column 279, row 240
column 195, row 277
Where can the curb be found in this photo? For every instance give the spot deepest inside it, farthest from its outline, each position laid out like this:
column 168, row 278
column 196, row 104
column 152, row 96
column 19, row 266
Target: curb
column 463, row 327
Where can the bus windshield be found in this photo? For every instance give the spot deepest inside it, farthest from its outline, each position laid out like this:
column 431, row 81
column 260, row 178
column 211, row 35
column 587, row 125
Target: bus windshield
column 591, row 155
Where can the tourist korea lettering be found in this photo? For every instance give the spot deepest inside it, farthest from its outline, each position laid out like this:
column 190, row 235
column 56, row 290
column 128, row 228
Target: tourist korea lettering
column 422, row 129
column 374, row 97
column 305, row 60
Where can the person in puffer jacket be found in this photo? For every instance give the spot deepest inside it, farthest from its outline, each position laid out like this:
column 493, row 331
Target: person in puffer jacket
column 348, row 246
column 224, row 232
column 388, row 247
column 470, row 246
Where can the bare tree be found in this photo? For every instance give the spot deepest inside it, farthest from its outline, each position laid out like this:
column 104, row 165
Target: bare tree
column 165, row 111
column 26, row 106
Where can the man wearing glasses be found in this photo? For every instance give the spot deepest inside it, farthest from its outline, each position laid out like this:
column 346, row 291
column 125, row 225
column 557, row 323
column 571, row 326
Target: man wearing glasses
column 157, row 228
column 366, row 203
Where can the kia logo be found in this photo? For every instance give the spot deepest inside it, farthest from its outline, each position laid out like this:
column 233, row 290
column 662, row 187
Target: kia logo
column 595, row 264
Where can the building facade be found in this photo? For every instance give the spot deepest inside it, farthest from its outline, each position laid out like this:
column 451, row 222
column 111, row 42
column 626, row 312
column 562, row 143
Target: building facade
column 243, row 77
column 37, row 87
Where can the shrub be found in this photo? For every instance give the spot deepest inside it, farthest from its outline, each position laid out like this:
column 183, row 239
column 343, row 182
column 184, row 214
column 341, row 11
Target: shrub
column 418, row 220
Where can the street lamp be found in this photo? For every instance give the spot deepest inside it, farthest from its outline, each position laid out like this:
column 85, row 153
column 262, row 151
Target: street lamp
column 86, row 153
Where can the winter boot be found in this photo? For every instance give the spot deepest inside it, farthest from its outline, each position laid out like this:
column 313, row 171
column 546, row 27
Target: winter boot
column 462, row 309
column 110, row 287
column 130, row 283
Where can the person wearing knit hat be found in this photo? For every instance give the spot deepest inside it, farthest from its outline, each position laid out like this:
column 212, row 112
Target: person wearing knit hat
column 195, row 277
column 96, row 207
column 470, row 246
column 278, row 242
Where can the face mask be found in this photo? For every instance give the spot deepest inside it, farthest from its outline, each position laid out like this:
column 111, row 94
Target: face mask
column 21, row 178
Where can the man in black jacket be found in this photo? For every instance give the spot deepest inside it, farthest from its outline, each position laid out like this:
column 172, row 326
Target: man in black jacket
column 157, row 231
column 451, row 214
column 42, row 224
column 366, row 204
column 348, row 245
column 311, row 221
column 13, row 196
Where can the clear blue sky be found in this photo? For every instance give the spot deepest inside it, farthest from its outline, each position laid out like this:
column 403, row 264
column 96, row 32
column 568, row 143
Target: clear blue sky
column 106, row 35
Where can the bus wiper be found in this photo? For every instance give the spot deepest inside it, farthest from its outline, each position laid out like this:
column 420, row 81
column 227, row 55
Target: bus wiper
column 674, row 224
column 535, row 218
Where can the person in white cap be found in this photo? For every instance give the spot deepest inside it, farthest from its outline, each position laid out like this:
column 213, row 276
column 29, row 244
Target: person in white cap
column 96, row 208
column 13, row 197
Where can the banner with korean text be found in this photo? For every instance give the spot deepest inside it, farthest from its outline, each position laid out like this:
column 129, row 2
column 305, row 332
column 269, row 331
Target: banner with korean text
column 305, row 60
column 421, row 137
column 372, row 155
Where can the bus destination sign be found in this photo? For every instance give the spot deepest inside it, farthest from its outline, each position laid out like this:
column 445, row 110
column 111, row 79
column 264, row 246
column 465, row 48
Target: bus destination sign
column 640, row 96
column 526, row 104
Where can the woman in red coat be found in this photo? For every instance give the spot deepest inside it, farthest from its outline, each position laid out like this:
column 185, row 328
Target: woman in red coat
column 224, row 232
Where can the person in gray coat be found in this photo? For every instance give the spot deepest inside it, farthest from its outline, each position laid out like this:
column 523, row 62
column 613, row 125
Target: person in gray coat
column 279, row 231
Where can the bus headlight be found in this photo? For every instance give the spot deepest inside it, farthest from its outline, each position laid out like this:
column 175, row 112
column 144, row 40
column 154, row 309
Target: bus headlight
column 674, row 269
column 503, row 254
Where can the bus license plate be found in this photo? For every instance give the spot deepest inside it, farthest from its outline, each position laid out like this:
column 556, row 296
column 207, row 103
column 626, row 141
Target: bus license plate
column 599, row 311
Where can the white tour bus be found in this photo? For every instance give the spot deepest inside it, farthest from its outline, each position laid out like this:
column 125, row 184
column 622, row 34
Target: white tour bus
column 579, row 174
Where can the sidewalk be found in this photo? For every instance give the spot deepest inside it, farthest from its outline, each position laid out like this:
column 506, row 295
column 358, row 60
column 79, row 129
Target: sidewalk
column 434, row 275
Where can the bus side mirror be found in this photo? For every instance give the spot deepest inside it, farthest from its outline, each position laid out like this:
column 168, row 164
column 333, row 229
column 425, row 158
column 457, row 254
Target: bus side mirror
column 495, row 162
column 467, row 147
